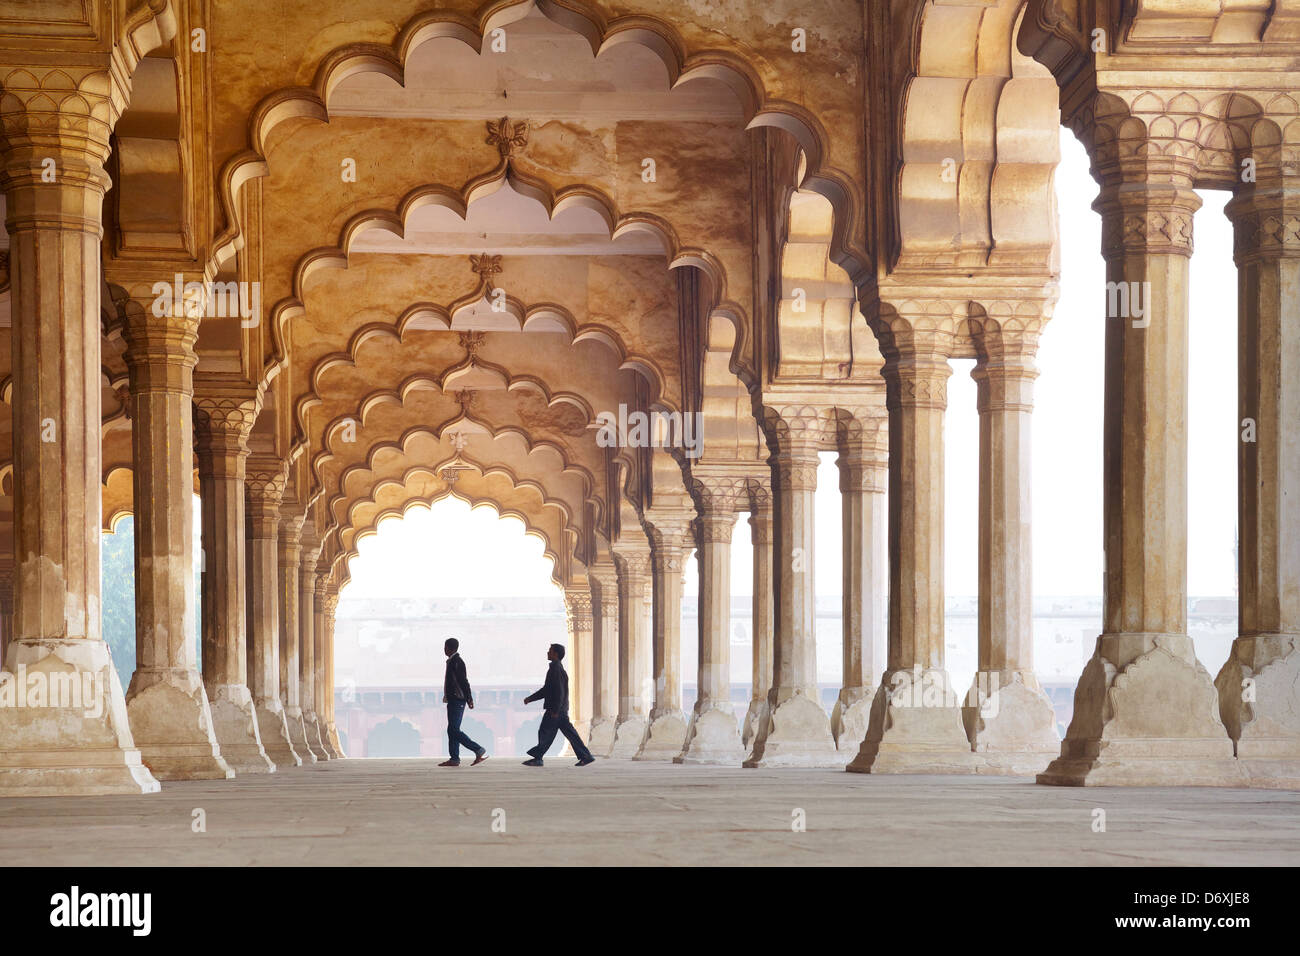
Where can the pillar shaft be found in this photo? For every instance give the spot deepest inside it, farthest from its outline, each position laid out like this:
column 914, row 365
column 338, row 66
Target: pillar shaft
column 329, row 733
column 224, row 421
column 714, row 735
column 634, row 684
column 1008, row 718
column 1259, row 685
column 762, row 537
column 54, row 248
column 667, row 729
column 264, row 486
column 166, row 702
column 916, row 723
column 865, row 576
column 1145, row 709
column 796, row 731
column 290, row 570
column 605, row 658
column 577, row 604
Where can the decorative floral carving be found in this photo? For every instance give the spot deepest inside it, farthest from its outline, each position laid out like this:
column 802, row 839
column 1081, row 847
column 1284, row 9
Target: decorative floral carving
column 507, row 137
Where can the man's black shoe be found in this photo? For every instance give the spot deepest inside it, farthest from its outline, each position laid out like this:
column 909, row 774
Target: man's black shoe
column 532, row 763
column 585, row 761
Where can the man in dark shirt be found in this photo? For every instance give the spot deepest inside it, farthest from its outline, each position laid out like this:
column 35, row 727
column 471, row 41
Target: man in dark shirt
column 458, row 696
column 555, row 699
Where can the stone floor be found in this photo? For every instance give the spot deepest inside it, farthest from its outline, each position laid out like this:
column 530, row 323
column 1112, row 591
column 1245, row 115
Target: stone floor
column 412, row 812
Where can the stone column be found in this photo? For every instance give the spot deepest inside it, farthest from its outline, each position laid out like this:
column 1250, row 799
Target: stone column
column 290, row 569
column 605, row 666
column 222, row 425
column 1008, row 718
column 634, row 683
column 916, row 724
column 714, row 736
column 1145, row 709
column 307, row 640
column 264, row 486
column 796, row 731
column 667, row 730
column 762, row 536
column 1259, row 685
column 329, row 731
column 313, row 637
column 166, row 703
column 577, row 603
column 54, row 246
column 863, row 466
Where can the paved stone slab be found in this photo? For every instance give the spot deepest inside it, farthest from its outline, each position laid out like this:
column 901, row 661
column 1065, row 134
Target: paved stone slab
column 410, row 812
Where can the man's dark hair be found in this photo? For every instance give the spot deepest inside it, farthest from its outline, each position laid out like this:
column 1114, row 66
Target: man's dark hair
column 452, row 643
column 559, row 651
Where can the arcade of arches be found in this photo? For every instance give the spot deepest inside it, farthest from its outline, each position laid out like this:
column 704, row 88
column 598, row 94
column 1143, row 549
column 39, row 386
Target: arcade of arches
column 320, row 261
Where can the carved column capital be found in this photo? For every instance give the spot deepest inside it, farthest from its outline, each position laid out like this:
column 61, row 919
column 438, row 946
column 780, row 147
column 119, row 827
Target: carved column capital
column 577, row 604
column 632, row 564
column 63, row 113
column 1146, row 217
column 264, row 481
column 221, row 427
column 1266, row 219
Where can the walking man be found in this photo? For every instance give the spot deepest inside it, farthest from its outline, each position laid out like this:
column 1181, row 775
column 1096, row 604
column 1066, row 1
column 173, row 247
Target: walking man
column 457, row 695
column 555, row 699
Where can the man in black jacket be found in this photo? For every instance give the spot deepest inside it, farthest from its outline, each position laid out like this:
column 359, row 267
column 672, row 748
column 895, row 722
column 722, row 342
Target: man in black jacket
column 555, row 699
column 458, row 696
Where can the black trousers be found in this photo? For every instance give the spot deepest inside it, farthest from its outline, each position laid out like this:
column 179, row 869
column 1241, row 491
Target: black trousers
column 546, row 736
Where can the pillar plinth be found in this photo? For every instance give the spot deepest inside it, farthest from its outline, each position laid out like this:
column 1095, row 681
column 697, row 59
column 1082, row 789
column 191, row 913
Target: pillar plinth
column 264, row 487
column 170, row 716
column 714, row 735
column 796, row 731
column 1259, row 684
column 54, row 247
column 1146, row 712
column 605, row 669
column 222, row 425
column 666, row 731
column 1009, row 719
column 762, row 537
column 915, row 724
column 863, row 465
column 635, row 688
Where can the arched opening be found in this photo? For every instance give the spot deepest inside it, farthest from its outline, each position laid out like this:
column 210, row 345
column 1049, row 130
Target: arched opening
column 440, row 571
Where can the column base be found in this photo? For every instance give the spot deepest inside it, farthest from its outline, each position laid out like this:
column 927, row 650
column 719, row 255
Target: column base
column 601, row 741
column 1146, row 714
column 915, row 727
column 754, row 717
column 713, row 738
column 629, row 732
column 234, row 720
column 311, row 726
column 850, row 719
column 1010, row 723
column 331, row 740
column 50, row 752
column 796, row 733
column 273, row 728
column 1259, row 701
column 298, row 734
column 173, row 727
column 665, row 736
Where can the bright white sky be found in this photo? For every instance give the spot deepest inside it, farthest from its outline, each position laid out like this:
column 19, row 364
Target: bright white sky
column 451, row 551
